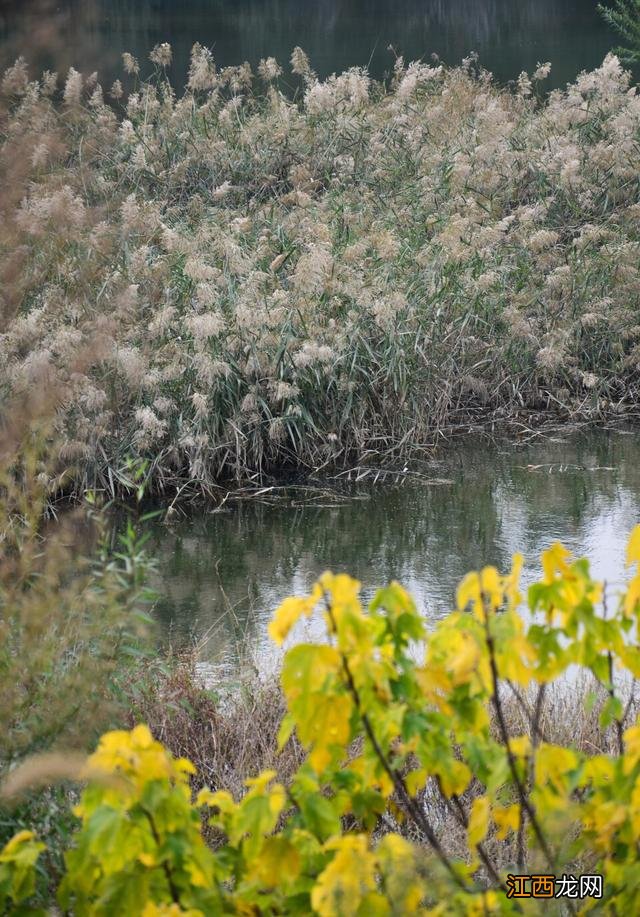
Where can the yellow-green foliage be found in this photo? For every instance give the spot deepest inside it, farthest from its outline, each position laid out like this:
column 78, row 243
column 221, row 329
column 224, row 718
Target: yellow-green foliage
column 386, row 706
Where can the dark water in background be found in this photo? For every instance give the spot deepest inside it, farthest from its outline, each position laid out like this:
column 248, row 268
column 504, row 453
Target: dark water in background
column 221, row 575
column 509, row 35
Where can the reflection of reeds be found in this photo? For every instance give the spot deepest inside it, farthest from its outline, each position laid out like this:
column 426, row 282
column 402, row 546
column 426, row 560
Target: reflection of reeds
column 466, row 22
column 500, row 499
column 231, row 284
column 337, row 34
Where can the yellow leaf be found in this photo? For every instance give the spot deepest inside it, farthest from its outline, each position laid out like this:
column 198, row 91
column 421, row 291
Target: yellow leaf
column 151, row 909
column 629, row 657
column 221, row 799
column 465, row 657
column 491, row 585
column 553, row 764
column 507, row 818
column 632, row 595
column 350, row 876
column 260, row 783
column 197, row 876
column 633, row 547
column 554, row 561
column 343, row 589
column 478, row 822
column 456, row 779
column 631, row 747
column 278, row 863
column 286, row 616
column 138, row 757
column 329, row 728
column 14, row 843
column 277, row 799
column 512, row 581
column 520, row 746
column 598, row 769
column 634, row 809
column 395, row 848
column 416, row 781
column 313, row 683
column 347, row 617
column 141, row 737
column 604, row 819
column 401, row 880
column 469, row 591
column 185, row 766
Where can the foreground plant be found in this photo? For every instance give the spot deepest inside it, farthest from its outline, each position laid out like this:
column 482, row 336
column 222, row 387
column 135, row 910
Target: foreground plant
column 72, row 617
column 394, row 716
column 72, row 610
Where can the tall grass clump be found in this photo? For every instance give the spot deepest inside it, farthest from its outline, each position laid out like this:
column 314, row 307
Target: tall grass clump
column 265, row 283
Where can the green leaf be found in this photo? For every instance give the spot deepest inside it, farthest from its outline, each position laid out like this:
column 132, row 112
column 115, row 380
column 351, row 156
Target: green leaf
column 611, row 711
column 319, row 816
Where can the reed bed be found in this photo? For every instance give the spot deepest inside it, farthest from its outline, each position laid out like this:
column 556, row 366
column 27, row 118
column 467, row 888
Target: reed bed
column 271, row 281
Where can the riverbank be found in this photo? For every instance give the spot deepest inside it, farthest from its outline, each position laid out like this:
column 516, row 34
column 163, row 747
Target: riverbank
column 231, row 284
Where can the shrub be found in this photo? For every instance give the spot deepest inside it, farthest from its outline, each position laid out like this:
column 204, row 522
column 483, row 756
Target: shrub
column 391, row 714
column 72, row 617
column 71, row 612
column 229, row 734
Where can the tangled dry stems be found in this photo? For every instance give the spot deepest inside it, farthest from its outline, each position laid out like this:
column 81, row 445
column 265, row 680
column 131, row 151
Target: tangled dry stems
column 229, row 738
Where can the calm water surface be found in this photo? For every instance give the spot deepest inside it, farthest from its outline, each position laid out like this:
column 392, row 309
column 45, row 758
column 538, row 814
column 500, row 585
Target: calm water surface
column 222, row 574
column 509, row 35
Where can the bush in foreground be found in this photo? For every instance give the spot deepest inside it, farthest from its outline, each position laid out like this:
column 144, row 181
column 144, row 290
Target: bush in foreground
column 72, row 610
column 390, row 713
column 265, row 283
column 72, row 618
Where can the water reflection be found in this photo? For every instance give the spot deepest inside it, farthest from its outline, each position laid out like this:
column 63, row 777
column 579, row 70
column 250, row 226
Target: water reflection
column 222, row 574
column 509, row 36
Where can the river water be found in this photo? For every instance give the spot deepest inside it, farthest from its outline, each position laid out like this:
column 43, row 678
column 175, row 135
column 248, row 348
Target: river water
column 221, row 574
column 509, row 35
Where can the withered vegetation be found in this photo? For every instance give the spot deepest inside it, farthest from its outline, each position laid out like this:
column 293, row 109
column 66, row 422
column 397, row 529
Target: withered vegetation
column 262, row 283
